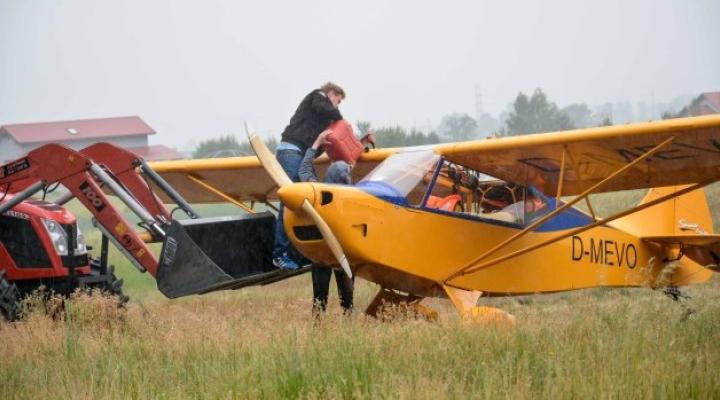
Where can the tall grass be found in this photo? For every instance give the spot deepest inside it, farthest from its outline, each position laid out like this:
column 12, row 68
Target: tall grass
column 263, row 343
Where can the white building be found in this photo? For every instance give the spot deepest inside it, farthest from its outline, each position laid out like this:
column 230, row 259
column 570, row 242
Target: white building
column 128, row 132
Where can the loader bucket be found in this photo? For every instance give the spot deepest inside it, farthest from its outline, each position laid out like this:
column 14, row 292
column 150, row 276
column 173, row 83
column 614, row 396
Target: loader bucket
column 208, row 254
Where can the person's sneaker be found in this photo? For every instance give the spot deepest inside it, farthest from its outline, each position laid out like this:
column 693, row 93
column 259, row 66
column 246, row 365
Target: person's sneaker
column 285, row 262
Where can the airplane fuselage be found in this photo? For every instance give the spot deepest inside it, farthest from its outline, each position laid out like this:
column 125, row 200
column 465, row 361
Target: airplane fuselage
column 414, row 250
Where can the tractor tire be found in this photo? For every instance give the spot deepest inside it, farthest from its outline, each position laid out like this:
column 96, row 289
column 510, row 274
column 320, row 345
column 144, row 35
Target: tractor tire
column 9, row 298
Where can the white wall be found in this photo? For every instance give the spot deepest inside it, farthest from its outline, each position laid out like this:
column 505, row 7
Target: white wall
column 9, row 149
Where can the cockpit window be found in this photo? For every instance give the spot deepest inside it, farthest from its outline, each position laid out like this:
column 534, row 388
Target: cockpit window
column 461, row 190
column 402, row 177
column 466, row 192
column 412, row 177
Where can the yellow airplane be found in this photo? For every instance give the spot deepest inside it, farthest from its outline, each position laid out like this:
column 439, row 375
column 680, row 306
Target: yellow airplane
column 491, row 217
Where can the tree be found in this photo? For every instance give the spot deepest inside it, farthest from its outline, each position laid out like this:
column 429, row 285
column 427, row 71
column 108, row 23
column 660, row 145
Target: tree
column 228, row 146
column 604, row 114
column 580, row 115
column 417, row 138
column 390, row 136
column 271, row 143
column 396, row 136
column 486, row 125
column 536, row 114
column 606, row 121
column 225, row 146
column 457, row 127
column 363, row 127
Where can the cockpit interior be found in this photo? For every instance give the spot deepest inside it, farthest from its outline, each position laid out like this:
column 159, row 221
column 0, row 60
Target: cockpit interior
column 420, row 178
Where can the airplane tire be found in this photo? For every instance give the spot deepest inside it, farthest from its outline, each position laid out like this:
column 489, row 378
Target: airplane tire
column 9, row 298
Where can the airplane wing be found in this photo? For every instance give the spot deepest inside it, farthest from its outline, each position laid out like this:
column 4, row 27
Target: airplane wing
column 241, row 178
column 692, row 155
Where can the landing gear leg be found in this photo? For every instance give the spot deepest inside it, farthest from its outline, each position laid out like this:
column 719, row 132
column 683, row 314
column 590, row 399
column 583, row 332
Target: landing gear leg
column 466, row 303
column 389, row 304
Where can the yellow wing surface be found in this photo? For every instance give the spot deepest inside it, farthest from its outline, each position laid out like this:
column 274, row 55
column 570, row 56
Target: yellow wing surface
column 691, row 154
column 686, row 150
column 241, row 178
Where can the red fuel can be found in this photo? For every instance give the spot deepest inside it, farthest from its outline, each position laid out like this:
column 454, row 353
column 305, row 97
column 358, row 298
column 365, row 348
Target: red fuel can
column 342, row 143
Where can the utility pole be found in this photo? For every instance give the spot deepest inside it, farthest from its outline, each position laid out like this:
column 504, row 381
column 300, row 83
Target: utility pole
column 478, row 103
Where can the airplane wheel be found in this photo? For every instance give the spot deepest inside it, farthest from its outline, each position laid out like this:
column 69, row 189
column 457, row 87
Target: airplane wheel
column 9, row 298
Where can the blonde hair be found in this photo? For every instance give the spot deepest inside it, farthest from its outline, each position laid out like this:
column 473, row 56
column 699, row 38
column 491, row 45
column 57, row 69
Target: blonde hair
column 332, row 87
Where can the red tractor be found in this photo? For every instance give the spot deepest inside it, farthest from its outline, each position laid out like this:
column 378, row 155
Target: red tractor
column 41, row 244
column 35, row 240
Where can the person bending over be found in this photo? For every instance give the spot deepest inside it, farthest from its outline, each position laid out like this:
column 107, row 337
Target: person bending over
column 314, row 114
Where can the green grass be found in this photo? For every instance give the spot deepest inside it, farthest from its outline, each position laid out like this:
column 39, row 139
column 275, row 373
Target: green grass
column 262, row 342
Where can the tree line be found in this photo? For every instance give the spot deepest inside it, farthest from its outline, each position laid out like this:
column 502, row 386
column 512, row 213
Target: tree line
column 228, row 146
column 533, row 113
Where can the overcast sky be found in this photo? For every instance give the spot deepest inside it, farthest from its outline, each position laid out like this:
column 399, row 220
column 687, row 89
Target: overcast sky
column 196, row 70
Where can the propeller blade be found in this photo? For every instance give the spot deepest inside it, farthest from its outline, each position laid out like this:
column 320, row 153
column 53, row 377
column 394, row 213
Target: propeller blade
column 267, row 159
column 273, row 168
column 329, row 237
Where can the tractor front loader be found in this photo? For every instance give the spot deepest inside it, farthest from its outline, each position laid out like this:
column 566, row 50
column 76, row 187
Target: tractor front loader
column 198, row 255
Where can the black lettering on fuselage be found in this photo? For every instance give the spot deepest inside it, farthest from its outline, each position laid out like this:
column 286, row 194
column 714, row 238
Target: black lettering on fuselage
column 631, row 264
column 604, row 252
column 577, row 248
column 596, row 252
column 620, row 252
column 607, row 255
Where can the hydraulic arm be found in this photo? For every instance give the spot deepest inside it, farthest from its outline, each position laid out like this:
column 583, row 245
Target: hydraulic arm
column 198, row 255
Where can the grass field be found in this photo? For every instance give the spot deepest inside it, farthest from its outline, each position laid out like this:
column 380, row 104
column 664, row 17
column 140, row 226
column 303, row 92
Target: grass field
column 263, row 343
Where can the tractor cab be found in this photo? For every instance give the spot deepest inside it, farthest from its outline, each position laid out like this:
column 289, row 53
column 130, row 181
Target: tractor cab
column 35, row 241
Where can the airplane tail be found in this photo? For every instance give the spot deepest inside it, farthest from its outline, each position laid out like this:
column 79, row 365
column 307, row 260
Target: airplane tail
column 682, row 215
column 681, row 226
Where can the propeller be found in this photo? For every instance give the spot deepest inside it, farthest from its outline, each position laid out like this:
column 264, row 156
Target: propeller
column 273, row 168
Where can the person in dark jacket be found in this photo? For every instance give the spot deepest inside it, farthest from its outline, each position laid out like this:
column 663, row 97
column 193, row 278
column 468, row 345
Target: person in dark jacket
column 338, row 172
column 314, row 114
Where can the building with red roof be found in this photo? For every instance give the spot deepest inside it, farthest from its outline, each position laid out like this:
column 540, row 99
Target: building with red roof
column 706, row 103
column 710, row 103
column 128, row 132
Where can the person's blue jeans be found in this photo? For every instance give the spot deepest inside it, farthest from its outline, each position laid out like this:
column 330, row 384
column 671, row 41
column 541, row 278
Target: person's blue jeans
column 290, row 162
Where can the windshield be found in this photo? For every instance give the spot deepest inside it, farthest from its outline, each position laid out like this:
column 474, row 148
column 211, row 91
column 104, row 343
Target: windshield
column 404, row 170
